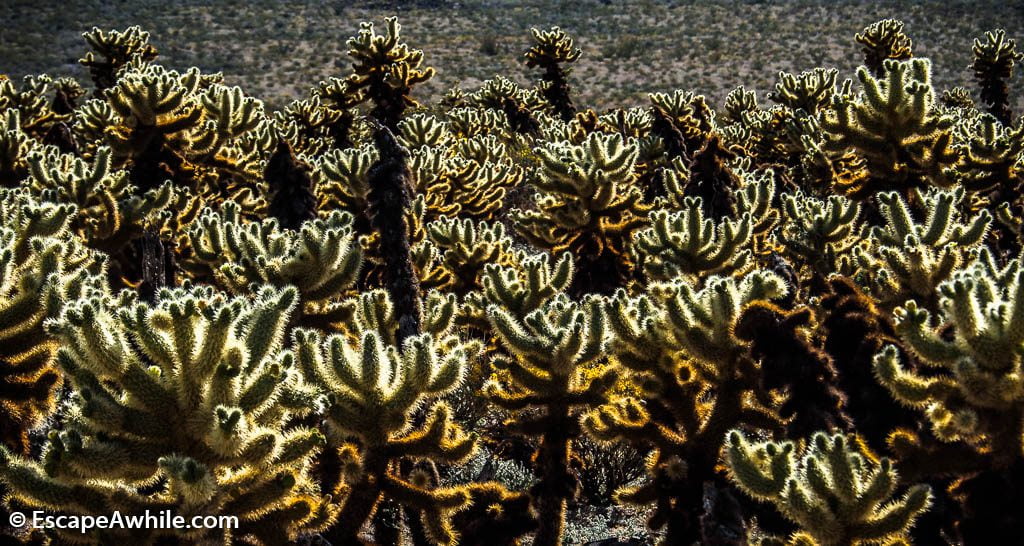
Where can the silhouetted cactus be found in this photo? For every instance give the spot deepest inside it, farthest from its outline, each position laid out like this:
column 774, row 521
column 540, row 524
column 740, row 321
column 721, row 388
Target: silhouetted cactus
column 551, row 51
column 993, row 67
column 292, row 201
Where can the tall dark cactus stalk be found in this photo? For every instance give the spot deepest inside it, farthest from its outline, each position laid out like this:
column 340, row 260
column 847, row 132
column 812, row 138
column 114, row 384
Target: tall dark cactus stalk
column 390, row 195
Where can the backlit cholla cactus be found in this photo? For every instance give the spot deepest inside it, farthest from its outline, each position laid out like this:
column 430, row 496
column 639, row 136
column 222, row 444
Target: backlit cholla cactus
column 686, row 112
column 185, row 127
column 686, row 244
column 588, row 205
column 738, row 102
column 809, row 91
column 14, row 148
column 466, row 247
column 894, row 126
column 978, row 398
column 42, row 266
column 994, row 57
column 385, row 70
column 458, row 185
column 118, row 50
column 184, row 405
column 817, row 232
column 373, row 388
column 519, row 288
column 317, row 124
column 836, row 491
column 231, row 140
column 110, row 210
column 321, row 260
column 990, row 158
column 40, row 117
column 420, row 130
column 142, row 119
column 696, row 380
column 342, row 181
column 908, row 259
column 884, row 40
column 519, row 105
column 552, row 51
column 556, row 373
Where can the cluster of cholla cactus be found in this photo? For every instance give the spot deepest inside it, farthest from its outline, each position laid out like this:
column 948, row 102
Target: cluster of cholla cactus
column 368, row 319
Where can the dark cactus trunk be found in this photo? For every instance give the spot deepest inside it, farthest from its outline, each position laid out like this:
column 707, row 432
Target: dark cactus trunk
column 712, row 180
column 389, row 197
column 557, row 91
column 157, row 266
column 292, row 199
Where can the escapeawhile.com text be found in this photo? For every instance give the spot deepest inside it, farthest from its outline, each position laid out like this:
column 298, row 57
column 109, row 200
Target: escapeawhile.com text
column 163, row 519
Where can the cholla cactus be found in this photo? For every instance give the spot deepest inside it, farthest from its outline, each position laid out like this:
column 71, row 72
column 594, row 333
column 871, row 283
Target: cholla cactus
column 516, row 103
column 810, row 91
column 685, row 243
column 421, row 130
column 738, row 102
column 894, row 126
column 193, row 393
column 292, row 199
column 909, row 259
column 229, row 138
column 467, row 247
column 38, row 118
column 588, row 205
column 110, row 214
column 990, row 157
column 372, row 390
column 551, row 51
column 556, row 354
column 42, row 267
column 519, row 289
column 321, row 259
column 342, row 180
column 993, row 67
column 884, row 40
column 119, row 49
column 460, row 186
column 978, row 398
column 318, row 124
column 817, row 232
column 469, row 122
column 385, row 71
column 186, row 127
column 14, row 148
column 683, row 120
column 835, row 491
column 697, row 381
